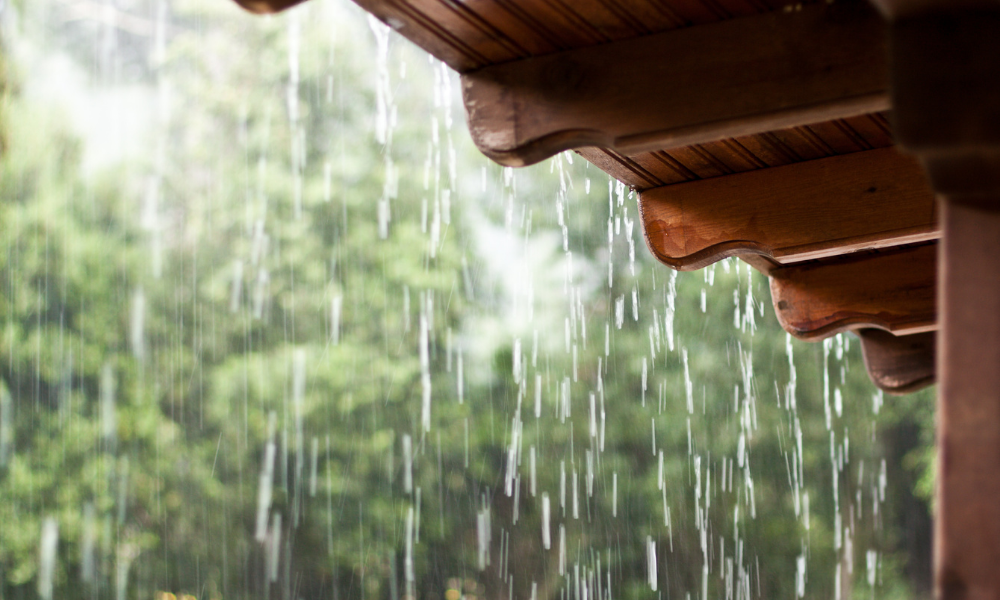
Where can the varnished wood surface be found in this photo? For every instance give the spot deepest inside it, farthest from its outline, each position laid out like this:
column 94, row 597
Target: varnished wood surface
column 476, row 33
column 894, row 290
column 690, row 86
column 746, row 153
column 807, row 210
column 899, row 364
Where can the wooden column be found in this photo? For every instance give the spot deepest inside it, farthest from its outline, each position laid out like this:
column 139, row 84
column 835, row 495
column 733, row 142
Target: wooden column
column 945, row 74
column 967, row 526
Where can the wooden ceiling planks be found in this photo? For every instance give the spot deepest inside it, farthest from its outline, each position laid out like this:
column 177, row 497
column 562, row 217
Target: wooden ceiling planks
column 746, row 153
column 472, row 34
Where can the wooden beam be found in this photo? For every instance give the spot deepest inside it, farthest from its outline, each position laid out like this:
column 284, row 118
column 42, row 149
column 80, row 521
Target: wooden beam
column 892, row 290
column 807, row 210
column 684, row 87
column 898, row 364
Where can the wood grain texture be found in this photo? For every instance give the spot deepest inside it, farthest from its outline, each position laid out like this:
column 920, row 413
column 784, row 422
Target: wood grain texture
column 745, row 153
column 472, row 34
column 808, row 210
column 683, row 87
column 899, row 364
column 894, row 290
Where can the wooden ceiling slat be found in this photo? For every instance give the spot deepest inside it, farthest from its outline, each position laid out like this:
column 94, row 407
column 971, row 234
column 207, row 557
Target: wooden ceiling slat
column 803, row 142
column 734, row 155
column 798, row 212
column 666, row 167
column 769, row 150
column 534, row 36
column 899, row 364
column 436, row 29
column 695, row 12
column 568, row 29
column 683, row 87
column 624, row 169
column 698, row 161
column 893, row 290
column 642, row 16
column 475, row 28
column 818, row 142
column 840, row 137
column 602, row 23
column 744, row 153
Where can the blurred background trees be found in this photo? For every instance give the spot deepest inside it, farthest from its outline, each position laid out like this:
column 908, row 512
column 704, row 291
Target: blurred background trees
column 271, row 328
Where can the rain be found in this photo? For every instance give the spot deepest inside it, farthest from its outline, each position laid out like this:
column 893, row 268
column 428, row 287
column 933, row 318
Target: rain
column 272, row 327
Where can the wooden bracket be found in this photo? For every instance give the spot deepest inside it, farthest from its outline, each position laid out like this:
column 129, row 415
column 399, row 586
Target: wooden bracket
column 894, row 290
column 683, row 87
column 899, row 364
column 808, row 210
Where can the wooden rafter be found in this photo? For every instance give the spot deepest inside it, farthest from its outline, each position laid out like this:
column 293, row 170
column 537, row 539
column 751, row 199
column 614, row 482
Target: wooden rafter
column 808, row 210
column 893, row 290
column 899, row 364
column 683, row 87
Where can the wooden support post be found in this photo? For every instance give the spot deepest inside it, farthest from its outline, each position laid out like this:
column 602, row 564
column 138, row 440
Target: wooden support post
column 808, row 210
column 898, row 364
column 967, row 527
column 946, row 94
column 892, row 290
column 683, row 87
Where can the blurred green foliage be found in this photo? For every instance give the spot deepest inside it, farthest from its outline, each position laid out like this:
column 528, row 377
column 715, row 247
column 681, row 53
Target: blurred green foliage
column 164, row 321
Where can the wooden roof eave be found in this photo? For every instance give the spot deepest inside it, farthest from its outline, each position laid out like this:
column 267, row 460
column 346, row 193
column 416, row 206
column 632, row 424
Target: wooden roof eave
column 630, row 111
column 683, row 87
